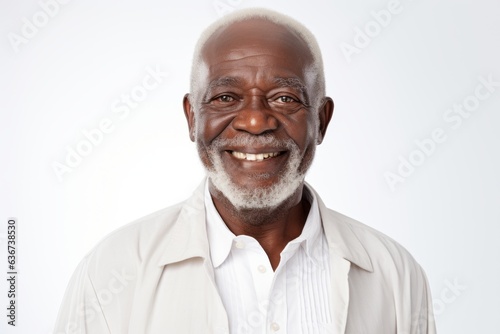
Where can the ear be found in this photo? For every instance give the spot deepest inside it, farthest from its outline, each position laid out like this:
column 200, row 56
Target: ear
column 325, row 115
column 189, row 113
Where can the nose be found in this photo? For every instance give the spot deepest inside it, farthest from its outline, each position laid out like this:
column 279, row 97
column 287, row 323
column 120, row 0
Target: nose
column 256, row 117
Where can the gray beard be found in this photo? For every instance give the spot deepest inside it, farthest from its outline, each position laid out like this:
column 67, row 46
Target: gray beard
column 256, row 198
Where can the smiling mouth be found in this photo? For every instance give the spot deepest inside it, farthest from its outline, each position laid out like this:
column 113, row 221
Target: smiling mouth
column 254, row 157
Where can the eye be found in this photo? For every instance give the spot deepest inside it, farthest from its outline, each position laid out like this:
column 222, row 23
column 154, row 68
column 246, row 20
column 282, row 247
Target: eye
column 286, row 103
column 224, row 101
column 224, row 98
column 286, row 99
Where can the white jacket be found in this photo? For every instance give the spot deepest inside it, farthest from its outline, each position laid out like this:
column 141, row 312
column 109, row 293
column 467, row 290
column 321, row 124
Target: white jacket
column 155, row 276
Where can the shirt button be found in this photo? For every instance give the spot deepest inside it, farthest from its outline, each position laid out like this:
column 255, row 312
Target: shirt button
column 275, row 327
column 239, row 244
column 261, row 269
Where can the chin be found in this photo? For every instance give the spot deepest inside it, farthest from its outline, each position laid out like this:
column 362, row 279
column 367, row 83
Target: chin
column 251, row 198
column 264, row 191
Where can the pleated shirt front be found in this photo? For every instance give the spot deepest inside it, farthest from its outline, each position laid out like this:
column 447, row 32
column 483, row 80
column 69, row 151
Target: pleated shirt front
column 292, row 299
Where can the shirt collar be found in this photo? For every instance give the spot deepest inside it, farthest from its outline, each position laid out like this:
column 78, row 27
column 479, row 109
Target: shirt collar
column 187, row 234
column 221, row 239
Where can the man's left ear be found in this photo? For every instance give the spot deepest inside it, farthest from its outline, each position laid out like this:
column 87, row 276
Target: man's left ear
column 325, row 113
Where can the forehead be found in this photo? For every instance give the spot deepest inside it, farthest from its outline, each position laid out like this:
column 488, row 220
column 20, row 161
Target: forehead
column 259, row 45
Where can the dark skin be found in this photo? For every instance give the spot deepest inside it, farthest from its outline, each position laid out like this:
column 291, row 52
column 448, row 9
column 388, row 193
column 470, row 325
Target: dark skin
column 258, row 82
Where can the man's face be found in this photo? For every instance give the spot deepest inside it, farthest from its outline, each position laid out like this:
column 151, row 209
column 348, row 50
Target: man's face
column 254, row 125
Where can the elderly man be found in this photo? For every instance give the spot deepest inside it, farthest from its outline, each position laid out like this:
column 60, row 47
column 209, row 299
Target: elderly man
column 254, row 250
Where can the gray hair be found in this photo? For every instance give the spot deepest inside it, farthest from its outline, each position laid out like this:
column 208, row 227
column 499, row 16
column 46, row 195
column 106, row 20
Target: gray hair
column 198, row 68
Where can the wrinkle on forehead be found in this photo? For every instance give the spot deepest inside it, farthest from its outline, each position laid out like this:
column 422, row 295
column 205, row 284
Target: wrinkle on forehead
column 255, row 35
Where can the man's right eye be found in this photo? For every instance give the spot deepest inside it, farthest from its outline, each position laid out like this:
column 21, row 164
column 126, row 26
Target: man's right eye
column 224, row 98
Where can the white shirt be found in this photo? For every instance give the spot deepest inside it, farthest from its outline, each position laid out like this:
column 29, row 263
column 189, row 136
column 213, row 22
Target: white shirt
column 292, row 299
column 155, row 276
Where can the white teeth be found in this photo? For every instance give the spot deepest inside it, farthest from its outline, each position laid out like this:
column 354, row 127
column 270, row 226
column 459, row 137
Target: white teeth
column 254, row 157
column 239, row 155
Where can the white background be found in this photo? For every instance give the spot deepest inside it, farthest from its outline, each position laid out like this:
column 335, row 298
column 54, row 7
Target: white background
column 65, row 78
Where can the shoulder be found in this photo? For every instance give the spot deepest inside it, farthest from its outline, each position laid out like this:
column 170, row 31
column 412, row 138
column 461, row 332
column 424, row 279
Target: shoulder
column 371, row 238
column 385, row 281
column 386, row 255
column 107, row 280
column 133, row 243
column 145, row 242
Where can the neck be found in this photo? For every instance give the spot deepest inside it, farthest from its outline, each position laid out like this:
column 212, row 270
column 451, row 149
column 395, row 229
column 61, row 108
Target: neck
column 272, row 228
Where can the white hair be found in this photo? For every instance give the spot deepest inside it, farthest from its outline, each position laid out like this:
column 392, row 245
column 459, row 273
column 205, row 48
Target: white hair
column 198, row 70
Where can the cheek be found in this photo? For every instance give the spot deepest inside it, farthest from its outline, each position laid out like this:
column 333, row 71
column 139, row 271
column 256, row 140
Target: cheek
column 308, row 139
column 210, row 126
column 302, row 129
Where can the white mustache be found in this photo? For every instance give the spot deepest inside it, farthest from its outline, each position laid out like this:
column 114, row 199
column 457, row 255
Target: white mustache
column 269, row 141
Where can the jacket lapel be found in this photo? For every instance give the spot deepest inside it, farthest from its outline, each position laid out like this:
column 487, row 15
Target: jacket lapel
column 187, row 275
column 345, row 249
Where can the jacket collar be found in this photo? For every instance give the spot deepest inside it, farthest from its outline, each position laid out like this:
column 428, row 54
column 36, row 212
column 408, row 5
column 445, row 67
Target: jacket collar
column 187, row 237
column 340, row 236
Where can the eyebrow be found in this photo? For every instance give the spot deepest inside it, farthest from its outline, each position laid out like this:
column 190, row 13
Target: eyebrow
column 224, row 81
column 292, row 82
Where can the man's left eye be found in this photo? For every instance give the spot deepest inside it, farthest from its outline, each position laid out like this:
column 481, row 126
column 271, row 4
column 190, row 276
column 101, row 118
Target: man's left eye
column 286, row 99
